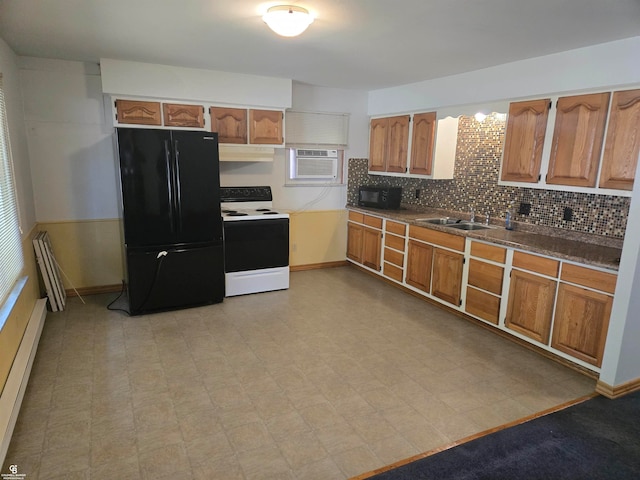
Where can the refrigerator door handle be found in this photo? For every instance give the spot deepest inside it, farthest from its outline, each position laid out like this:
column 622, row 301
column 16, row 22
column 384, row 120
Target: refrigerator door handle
column 177, row 173
column 167, row 160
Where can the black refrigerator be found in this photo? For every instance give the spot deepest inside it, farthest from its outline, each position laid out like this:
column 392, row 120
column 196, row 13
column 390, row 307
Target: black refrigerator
column 171, row 220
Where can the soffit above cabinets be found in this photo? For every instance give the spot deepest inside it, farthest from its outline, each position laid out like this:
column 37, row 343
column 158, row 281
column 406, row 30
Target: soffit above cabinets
column 316, row 128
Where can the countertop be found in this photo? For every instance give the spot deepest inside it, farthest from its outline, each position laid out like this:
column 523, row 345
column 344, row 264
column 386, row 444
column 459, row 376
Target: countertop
column 579, row 251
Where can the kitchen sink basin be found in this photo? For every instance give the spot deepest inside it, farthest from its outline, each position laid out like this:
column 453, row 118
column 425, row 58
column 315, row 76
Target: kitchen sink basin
column 468, row 226
column 439, row 221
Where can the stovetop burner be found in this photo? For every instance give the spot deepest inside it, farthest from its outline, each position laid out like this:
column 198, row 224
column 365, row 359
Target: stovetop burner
column 248, row 203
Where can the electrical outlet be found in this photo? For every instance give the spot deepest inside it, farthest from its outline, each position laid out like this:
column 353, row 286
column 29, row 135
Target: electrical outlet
column 524, row 209
column 417, row 193
column 567, row 216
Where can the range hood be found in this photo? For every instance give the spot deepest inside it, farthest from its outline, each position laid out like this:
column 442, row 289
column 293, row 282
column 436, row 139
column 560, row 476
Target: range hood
column 245, row 153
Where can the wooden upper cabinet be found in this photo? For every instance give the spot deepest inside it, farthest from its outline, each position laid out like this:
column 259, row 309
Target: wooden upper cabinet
column 530, row 306
column 265, row 127
column 422, row 141
column 526, row 126
column 622, row 145
column 581, row 323
column 177, row 115
column 230, row 124
column 577, row 139
column 398, row 144
column 138, row 112
column 389, row 144
column 378, row 144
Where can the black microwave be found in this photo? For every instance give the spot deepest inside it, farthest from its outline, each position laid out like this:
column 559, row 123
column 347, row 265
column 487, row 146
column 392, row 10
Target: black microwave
column 380, row 197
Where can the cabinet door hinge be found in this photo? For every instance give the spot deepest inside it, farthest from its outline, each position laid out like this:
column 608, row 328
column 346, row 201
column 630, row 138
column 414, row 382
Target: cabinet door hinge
column 460, row 303
column 550, row 103
column 464, row 260
column 539, row 177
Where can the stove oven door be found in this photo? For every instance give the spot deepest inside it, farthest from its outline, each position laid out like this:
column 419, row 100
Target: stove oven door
column 256, row 244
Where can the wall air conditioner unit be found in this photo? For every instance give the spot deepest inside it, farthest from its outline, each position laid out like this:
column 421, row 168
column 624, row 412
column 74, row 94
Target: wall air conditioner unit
column 312, row 164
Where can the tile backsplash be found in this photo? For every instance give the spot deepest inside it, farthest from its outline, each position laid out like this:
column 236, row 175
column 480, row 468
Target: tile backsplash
column 475, row 184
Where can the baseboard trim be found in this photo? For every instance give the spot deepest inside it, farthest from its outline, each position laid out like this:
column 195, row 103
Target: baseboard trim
column 94, row 290
column 314, row 266
column 13, row 392
column 616, row 391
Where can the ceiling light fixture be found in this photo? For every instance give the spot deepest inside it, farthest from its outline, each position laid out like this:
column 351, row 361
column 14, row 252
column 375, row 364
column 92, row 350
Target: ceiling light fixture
column 288, row 20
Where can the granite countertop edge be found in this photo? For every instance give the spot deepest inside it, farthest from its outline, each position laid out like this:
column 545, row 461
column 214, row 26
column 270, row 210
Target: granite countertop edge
column 579, row 251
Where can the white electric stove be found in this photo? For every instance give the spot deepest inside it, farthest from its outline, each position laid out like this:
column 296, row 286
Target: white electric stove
column 256, row 239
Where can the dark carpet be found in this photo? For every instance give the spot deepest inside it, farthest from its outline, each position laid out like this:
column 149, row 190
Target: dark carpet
column 596, row 439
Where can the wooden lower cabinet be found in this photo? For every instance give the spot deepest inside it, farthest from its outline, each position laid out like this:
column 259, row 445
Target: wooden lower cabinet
column 530, row 305
column 364, row 243
column 419, row 264
column 354, row 241
column 371, row 243
column 447, row 275
column 581, row 323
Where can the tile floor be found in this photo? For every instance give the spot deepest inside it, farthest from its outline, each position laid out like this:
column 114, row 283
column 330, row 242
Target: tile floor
column 336, row 376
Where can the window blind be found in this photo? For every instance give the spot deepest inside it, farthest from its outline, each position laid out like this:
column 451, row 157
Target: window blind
column 10, row 239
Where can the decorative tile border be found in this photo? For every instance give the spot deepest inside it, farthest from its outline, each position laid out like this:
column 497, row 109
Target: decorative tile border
column 475, row 184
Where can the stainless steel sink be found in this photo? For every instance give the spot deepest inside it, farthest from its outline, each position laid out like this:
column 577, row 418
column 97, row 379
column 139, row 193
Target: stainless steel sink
column 439, row 221
column 468, row 226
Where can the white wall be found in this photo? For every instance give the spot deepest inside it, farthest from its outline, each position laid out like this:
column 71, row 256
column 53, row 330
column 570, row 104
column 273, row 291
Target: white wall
column 608, row 66
column 179, row 83
column 70, row 146
column 73, row 160
column 17, row 135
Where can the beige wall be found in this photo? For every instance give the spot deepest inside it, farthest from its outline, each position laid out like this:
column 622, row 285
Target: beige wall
column 317, row 237
column 89, row 252
column 13, row 330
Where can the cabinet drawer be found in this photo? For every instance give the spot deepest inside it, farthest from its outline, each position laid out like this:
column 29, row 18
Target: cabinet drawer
column 395, row 227
column 393, row 241
column 534, row 263
column 356, row 216
column 587, row 277
column 448, row 240
column 486, row 276
column 483, row 305
column 375, row 222
column 489, row 252
column 394, row 257
column 392, row 271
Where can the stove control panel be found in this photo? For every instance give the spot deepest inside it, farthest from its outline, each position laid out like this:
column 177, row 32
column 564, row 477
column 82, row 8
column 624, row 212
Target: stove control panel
column 245, row 194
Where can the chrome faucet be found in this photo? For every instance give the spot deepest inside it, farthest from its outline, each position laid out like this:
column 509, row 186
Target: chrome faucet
column 473, row 216
column 487, row 220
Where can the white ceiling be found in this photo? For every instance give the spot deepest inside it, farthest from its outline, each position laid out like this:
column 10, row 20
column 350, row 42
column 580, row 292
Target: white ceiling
column 359, row 44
